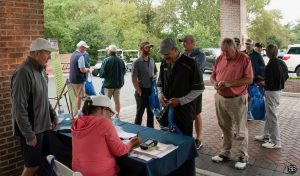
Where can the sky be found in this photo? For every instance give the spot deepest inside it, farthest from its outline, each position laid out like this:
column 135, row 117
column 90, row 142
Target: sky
column 290, row 9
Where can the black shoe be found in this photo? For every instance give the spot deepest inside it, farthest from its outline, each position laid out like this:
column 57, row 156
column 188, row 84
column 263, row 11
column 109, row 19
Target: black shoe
column 198, row 143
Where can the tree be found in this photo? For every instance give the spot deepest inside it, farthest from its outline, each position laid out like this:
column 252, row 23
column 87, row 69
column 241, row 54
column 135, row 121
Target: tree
column 266, row 27
column 295, row 33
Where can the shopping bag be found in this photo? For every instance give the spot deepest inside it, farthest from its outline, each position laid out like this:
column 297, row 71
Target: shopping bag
column 153, row 99
column 257, row 104
column 172, row 125
column 89, row 87
column 102, row 88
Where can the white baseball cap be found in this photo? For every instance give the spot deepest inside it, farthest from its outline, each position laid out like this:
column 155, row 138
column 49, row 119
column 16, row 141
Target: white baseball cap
column 103, row 101
column 82, row 43
column 112, row 48
column 41, row 44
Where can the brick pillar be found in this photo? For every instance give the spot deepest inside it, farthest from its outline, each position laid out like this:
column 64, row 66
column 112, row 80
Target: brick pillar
column 20, row 23
column 233, row 19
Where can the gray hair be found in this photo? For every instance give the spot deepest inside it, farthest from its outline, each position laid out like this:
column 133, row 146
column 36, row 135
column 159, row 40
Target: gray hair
column 228, row 42
column 272, row 50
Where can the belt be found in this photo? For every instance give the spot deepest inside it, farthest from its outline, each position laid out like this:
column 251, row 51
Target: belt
column 234, row 96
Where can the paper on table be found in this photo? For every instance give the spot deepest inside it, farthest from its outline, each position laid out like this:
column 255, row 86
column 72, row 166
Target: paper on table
column 123, row 134
column 159, row 151
column 141, row 156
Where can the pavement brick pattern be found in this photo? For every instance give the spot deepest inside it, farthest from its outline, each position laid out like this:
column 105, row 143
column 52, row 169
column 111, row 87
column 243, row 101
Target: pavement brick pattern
column 262, row 161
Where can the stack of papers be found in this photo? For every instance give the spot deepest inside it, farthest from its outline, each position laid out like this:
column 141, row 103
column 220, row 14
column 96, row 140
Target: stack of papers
column 159, row 151
column 123, row 134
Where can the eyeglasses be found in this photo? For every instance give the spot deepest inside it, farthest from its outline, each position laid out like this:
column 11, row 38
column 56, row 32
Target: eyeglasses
column 108, row 109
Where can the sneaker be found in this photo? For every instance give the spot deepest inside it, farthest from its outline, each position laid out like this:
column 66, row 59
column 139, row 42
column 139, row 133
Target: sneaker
column 271, row 145
column 262, row 138
column 220, row 158
column 241, row 163
column 198, row 143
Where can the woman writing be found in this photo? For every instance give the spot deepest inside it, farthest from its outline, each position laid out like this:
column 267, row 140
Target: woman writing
column 95, row 141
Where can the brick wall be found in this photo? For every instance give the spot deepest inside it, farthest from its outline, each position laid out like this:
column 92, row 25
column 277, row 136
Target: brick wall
column 233, row 19
column 21, row 21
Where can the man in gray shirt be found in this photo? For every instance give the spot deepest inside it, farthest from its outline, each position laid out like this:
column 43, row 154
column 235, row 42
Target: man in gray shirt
column 30, row 106
column 143, row 72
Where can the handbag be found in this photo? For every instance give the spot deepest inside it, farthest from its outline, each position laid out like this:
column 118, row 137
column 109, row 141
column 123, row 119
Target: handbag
column 257, row 104
column 102, row 88
column 89, row 87
column 153, row 100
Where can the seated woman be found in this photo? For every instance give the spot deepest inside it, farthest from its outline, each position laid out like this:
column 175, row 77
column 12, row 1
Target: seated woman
column 95, row 141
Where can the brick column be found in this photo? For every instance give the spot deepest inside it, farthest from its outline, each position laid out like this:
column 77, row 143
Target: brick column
column 20, row 23
column 233, row 19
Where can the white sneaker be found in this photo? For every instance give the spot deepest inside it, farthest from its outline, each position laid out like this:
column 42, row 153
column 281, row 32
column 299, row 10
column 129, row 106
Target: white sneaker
column 262, row 138
column 241, row 163
column 271, row 145
column 220, row 158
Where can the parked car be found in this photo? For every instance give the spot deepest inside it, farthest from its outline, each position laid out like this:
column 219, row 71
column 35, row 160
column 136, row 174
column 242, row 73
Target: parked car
column 211, row 56
column 292, row 59
column 128, row 66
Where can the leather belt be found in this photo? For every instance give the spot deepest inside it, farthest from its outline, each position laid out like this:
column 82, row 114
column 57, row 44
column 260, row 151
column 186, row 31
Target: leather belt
column 234, row 96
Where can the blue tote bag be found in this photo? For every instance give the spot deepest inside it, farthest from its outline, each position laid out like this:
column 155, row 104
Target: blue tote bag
column 89, row 87
column 154, row 103
column 257, row 107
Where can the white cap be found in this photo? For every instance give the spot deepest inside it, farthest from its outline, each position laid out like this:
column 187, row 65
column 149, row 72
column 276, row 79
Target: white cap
column 41, row 44
column 82, row 43
column 102, row 100
column 112, row 48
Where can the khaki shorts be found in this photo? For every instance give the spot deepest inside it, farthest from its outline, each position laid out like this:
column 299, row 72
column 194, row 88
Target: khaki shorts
column 113, row 92
column 79, row 90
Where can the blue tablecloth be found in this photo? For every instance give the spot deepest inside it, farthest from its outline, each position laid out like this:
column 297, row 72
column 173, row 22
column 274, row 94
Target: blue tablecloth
column 175, row 163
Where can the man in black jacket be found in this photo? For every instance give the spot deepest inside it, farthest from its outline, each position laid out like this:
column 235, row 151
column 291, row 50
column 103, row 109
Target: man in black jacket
column 276, row 73
column 179, row 83
column 258, row 66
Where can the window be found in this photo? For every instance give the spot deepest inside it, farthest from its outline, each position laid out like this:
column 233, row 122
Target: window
column 294, row 50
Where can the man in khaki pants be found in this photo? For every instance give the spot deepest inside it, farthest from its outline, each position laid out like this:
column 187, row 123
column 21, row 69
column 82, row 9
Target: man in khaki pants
column 231, row 75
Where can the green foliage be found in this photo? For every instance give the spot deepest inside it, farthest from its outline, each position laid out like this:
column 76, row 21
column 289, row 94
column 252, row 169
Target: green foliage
column 295, row 34
column 127, row 23
column 266, row 28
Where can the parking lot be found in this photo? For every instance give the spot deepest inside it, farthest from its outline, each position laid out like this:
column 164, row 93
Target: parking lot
column 127, row 91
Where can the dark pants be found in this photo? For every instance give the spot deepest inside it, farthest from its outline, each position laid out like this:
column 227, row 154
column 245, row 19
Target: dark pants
column 142, row 102
column 36, row 156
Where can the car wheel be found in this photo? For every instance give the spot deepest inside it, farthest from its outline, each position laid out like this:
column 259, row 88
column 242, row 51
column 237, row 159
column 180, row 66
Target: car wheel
column 298, row 71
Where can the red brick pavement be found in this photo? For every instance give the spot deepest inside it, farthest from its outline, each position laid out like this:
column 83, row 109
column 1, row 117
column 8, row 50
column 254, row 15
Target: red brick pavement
column 273, row 159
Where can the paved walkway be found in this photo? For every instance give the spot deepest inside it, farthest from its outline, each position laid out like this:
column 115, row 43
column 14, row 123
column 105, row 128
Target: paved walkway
column 262, row 161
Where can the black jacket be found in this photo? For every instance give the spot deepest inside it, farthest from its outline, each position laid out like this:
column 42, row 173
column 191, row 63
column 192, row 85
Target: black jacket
column 276, row 73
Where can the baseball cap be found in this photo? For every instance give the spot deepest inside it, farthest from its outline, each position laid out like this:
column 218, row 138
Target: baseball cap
column 41, row 44
column 103, row 101
column 82, row 43
column 258, row 45
column 249, row 41
column 166, row 45
column 187, row 37
column 112, row 48
column 145, row 44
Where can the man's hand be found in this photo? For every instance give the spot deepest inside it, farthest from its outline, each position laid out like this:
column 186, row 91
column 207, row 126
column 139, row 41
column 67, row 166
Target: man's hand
column 174, row 102
column 88, row 70
column 163, row 101
column 139, row 92
column 261, row 83
column 222, row 85
column 32, row 143
column 54, row 123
